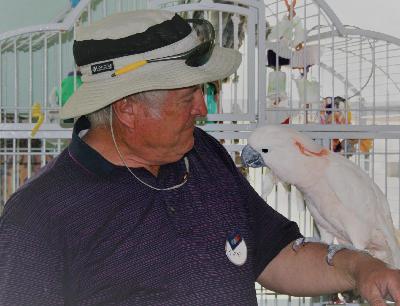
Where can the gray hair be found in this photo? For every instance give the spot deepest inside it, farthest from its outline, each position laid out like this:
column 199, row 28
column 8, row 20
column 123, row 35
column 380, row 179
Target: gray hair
column 152, row 99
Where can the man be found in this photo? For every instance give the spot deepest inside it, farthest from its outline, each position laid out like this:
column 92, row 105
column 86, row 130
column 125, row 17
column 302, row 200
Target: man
column 143, row 208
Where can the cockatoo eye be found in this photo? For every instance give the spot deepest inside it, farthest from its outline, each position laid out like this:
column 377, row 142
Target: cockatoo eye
column 264, row 150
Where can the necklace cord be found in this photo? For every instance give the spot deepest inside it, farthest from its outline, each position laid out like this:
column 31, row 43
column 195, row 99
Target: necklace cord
column 186, row 160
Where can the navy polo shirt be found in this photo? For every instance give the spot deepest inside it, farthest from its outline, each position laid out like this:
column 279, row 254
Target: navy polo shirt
column 86, row 232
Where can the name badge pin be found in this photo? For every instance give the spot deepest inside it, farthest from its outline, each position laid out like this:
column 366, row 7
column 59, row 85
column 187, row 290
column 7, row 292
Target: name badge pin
column 235, row 248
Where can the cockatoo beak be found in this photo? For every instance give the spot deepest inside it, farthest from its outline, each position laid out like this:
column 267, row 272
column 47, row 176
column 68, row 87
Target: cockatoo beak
column 251, row 158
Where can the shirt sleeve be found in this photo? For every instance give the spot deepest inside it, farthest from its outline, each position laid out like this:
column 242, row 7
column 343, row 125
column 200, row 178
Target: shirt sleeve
column 271, row 230
column 30, row 270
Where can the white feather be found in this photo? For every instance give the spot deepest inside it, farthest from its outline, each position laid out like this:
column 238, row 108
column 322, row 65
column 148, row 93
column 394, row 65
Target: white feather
column 268, row 184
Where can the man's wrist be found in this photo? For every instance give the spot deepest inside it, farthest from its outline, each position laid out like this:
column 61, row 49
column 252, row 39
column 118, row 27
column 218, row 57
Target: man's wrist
column 353, row 263
column 333, row 249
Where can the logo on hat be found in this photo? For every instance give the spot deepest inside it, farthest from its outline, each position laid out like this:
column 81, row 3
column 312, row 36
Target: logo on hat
column 102, row 67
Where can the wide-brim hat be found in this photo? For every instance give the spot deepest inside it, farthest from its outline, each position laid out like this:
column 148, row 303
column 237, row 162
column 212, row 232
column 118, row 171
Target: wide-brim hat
column 119, row 40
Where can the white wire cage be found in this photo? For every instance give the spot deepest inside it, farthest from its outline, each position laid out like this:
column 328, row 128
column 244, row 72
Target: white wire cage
column 341, row 86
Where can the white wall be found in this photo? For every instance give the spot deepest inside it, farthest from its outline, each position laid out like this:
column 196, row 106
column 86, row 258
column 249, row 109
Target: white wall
column 369, row 14
column 365, row 14
column 15, row 14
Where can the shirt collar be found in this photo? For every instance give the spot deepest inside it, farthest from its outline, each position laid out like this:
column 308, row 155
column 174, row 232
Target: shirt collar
column 86, row 156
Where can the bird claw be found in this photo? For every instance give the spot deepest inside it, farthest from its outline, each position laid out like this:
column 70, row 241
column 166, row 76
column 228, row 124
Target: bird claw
column 298, row 243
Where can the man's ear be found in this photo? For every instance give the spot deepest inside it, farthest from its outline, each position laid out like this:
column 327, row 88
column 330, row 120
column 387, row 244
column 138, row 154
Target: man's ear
column 126, row 112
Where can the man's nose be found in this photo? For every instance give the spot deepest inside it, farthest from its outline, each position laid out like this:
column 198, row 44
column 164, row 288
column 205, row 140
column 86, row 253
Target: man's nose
column 199, row 108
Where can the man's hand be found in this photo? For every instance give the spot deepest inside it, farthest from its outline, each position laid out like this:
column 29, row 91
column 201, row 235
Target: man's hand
column 377, row 283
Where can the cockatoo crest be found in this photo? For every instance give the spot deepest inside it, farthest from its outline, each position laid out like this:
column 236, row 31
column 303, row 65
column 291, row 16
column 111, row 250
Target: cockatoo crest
column 307, row 152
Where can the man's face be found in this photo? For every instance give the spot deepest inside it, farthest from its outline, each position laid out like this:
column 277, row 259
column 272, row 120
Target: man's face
column 168, row 137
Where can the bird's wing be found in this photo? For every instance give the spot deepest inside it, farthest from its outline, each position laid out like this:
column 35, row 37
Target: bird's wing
column 352, row 186
column 360, row 208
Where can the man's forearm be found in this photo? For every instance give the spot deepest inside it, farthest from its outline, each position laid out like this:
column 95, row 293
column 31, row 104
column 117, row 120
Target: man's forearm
column 306, row 272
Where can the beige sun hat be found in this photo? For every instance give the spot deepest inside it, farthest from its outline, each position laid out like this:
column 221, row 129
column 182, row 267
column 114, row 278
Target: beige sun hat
column 103, row 48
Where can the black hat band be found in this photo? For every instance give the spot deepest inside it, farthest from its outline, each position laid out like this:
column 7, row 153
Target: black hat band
column 157, row 36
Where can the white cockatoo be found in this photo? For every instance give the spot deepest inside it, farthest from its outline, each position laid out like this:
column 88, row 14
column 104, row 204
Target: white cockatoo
column 344, row 201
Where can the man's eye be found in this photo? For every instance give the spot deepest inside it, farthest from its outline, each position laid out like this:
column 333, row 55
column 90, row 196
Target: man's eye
column 264, row 150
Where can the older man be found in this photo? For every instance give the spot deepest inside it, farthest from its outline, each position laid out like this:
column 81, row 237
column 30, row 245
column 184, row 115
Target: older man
column 143, row 208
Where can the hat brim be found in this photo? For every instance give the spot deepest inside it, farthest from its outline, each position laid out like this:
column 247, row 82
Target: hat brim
column 92, row 96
